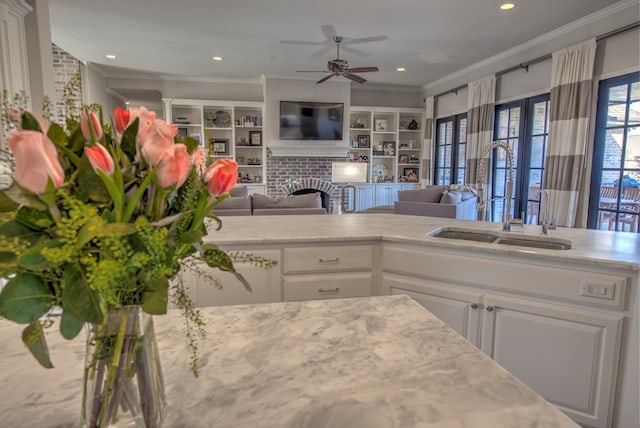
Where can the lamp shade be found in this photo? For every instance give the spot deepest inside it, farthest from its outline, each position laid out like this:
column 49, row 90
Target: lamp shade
column 348, row 172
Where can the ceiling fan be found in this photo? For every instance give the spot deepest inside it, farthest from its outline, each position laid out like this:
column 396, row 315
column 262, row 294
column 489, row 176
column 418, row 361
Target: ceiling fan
column 340, row 67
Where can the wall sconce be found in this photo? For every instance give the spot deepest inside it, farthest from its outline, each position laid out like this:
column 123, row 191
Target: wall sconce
column 348, row 172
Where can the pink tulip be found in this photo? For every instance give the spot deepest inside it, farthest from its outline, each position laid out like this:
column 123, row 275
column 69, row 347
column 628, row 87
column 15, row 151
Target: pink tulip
column 15, row 117
column 121, row 119
column 155, row 137
column 88, row 123
column 222, row 176
column 36, row 160
column 174, row 166
column 100, row 159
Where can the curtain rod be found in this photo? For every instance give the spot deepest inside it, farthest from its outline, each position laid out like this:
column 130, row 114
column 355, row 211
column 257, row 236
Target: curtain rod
column 526, row 65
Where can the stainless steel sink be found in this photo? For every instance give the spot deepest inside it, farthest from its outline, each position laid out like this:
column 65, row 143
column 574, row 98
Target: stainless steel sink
column 488, row 237
column 546, row 243
column 467, row 235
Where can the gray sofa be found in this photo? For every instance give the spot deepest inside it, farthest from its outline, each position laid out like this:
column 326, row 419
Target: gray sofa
column 438, row 201
column 258, row 204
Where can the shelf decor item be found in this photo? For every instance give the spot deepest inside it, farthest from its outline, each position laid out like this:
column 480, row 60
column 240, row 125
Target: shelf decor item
column 389, row 148
column 381, row 125
column 95, row 226
column 222, row 119
column 255, row 138
column 363, row 141
column 220, row 147
column 411, row 175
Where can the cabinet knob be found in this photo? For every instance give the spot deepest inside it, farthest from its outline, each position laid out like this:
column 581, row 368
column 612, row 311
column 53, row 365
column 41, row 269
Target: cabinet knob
column 336, row 260
column 490, row 308
column 474, row 306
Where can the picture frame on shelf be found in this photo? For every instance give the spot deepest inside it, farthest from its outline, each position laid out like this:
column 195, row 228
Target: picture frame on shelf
column 411, row 174
column 389, row 148
column 219, row 147
column 381, row 125
column 242, row 141
column 255, row 138
column 403, row 159
column 364, row 141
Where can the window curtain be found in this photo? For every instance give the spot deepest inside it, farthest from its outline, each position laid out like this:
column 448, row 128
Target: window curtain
column 480, row 114
column 571, row 95
column 427, row 147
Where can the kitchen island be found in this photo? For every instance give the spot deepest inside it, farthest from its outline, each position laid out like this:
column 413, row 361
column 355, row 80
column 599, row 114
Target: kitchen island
column 363, row 362
column 565, row 321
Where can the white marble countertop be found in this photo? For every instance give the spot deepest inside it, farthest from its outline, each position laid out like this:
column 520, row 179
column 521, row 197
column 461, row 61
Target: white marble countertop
column 617, row 250
column 366, row 362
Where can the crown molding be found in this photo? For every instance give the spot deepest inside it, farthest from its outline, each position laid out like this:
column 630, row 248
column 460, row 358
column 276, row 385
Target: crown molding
column 132, row 75
column 19, row 7
column 537, row 41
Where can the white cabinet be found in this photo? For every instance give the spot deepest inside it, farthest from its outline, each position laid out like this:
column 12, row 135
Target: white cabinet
column 265, row 283
column 370, row 195
column 328, row 271
column 532, row 319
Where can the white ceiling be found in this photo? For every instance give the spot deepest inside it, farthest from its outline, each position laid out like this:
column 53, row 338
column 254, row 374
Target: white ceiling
column 178, row 38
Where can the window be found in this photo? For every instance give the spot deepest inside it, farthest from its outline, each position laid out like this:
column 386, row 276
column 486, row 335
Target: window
column 451, row 150
column 614, row 202
column 524, row 126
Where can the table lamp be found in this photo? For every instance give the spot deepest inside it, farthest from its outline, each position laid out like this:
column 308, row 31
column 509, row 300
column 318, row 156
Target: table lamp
column 348, row 172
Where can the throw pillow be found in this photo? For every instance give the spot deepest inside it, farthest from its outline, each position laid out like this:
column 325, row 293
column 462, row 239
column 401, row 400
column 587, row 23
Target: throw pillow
column 428, row 194
column 451, row 197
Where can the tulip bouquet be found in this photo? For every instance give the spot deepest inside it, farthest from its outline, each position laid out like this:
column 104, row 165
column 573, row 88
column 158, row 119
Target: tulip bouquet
column 101, row 216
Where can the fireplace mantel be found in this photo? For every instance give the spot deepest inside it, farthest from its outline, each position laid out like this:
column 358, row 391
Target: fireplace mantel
column 308, row 149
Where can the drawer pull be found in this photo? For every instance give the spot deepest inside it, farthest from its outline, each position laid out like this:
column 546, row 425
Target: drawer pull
column 474, row 306
column 336, row 260
column 328, row 290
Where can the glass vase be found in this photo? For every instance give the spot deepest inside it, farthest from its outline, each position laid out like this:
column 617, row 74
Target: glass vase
column 123, row 385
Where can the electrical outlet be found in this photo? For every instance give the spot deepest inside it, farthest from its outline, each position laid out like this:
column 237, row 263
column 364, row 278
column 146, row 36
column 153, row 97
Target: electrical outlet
column 598, row 290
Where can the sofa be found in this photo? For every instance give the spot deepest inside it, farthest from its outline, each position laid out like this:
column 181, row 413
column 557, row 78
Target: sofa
column 458, row 202
column 242, row 205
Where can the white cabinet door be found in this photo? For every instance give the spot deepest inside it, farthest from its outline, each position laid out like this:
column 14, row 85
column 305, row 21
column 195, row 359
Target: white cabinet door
column 266, row 284
column 384, row 195
column 456, row 307
column 567, row 355
column 364, row 197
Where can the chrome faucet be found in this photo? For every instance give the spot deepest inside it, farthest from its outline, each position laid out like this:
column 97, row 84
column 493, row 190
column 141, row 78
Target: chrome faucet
column 507, row 221
column 545, row 222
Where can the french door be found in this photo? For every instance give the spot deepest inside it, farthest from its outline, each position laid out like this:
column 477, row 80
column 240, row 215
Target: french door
column 524, row 126
column 614, row 201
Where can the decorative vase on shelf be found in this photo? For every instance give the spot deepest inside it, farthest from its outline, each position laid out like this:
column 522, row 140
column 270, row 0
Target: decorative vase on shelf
column 123, row 385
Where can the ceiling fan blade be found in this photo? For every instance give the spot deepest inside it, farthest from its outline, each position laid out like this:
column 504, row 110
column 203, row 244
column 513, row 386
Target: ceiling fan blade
column 348, row 41
column 354, row 77
column 362, row 69
column 329, row 32
column 325, row 78
column 300, row 42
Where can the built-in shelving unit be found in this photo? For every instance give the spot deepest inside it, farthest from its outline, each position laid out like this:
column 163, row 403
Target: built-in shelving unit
column 226, row 129
column 389, row 140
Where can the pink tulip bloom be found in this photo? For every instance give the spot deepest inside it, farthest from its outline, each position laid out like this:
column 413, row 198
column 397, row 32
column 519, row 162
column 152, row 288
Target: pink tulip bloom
column 100, row 158
column 155, row 137
column 15, row 117
column 121, row 119
column 89, row 122
column 174, row 166
column 222, row 176
column 36, row 160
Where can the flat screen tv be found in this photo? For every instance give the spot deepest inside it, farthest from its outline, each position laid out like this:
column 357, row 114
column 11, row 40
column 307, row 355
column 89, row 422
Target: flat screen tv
column 310, row 120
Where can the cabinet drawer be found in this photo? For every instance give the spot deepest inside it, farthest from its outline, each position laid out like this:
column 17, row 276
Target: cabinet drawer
column 328, row 259
column 327, row 286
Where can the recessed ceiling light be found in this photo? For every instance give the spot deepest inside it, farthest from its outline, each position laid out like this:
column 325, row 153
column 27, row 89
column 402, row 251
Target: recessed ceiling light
column 401, row 69
column 110, row 56
column 507, row 6
column 127, row 102
column 217, row 58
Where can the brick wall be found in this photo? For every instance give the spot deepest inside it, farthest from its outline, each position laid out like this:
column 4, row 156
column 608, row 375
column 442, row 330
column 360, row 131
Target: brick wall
column 65, row 67
column 281, row 169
